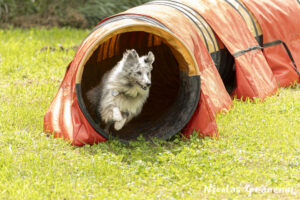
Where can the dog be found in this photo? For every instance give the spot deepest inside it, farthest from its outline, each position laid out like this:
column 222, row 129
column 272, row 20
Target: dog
column 123, row 90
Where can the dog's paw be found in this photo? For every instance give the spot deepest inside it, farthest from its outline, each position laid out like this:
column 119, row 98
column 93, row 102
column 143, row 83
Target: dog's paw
column 119, row 125
column 117, row 116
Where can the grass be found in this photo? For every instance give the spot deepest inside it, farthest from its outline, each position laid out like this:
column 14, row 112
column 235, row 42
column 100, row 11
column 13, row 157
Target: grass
column 75, row 13
column 256, row 157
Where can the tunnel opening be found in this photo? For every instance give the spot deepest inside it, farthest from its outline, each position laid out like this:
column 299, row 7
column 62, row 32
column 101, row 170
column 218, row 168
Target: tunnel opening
column 173, row 97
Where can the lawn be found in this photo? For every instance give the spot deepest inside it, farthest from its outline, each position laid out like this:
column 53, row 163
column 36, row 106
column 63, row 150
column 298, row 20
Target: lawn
column 256, row 156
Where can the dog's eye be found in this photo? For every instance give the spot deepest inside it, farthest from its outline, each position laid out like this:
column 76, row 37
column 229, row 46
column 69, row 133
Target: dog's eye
column 139, row 73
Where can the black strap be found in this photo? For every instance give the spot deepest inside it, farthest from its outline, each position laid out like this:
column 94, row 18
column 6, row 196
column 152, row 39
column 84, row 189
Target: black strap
column 132, row 16
column 244, row 8
column 129, row 16
column 186, row 10
column 239, row 53
column 277, row 42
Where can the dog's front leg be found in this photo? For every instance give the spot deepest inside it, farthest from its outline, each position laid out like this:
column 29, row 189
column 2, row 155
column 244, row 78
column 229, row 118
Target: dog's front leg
column 118, row 119
column 116, row 115
column 119, row 125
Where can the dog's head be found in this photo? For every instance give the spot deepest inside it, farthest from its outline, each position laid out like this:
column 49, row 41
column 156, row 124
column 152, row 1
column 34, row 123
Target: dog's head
column 138, row 69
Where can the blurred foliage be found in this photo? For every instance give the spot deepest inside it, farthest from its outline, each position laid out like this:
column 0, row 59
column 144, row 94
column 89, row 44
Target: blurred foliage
column 77, row 13
column 94, row 10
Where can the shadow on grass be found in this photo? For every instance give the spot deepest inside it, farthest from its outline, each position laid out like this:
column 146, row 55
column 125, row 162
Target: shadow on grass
column 142, row 150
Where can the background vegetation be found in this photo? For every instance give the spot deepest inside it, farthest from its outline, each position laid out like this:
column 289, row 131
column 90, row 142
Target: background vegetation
column 74, row 13
column 259, row 145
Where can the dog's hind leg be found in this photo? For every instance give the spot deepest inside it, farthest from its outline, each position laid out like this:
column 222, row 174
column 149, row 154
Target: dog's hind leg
column 107, row 127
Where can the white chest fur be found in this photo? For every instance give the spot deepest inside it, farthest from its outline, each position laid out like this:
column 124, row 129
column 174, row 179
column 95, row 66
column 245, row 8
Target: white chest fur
column 132, row 100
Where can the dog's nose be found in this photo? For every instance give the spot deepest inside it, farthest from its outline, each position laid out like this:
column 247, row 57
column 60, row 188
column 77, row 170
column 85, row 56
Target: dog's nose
column 148, row 84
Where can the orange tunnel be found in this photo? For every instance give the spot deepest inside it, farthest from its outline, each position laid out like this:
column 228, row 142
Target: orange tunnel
column 205, row 51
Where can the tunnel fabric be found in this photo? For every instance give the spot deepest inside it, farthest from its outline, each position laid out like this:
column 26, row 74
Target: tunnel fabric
column 67, row 117
column 279, row 21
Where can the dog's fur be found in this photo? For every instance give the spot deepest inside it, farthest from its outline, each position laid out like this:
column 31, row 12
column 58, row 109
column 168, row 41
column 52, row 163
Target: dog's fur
column 123, row 90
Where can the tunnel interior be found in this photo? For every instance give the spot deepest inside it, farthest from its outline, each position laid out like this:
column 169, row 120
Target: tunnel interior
column 225, row 65
column 173, row 97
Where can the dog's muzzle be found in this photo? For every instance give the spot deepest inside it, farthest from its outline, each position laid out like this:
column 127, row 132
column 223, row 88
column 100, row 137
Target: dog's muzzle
column 143, row 87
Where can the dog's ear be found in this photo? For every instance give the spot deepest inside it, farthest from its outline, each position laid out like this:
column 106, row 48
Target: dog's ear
column 150, row 58
column 131, row 57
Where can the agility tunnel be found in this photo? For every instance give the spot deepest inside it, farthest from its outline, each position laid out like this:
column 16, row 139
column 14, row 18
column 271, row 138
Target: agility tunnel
column 205, row 52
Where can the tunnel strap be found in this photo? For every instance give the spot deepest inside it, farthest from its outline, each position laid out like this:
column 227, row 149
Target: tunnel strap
column 277, row 42
column 239, row 53
column 131, row 16
column 247, row 11
column 188, row 11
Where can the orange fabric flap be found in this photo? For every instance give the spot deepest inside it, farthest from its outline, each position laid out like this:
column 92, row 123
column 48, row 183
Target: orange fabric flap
column 234, row 33
column 279, row 21
column 254, row 81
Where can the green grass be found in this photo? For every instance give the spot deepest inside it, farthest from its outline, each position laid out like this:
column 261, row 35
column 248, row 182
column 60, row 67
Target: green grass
column 259, row 143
